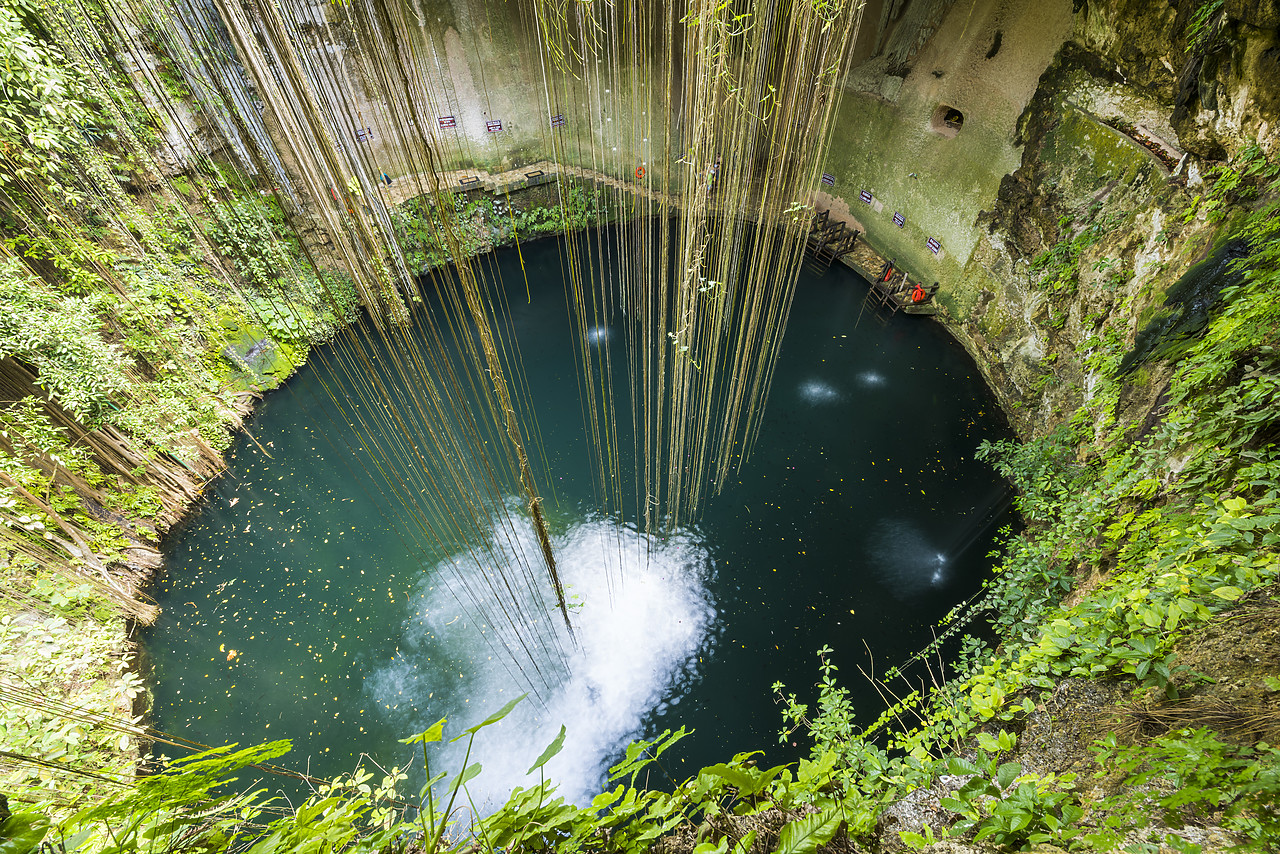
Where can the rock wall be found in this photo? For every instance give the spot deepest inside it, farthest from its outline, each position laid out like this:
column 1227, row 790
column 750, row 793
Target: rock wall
column 1068, row 201
column 474, row 78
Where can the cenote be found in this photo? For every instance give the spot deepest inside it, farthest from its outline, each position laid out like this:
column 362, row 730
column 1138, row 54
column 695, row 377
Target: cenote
column 292, row 608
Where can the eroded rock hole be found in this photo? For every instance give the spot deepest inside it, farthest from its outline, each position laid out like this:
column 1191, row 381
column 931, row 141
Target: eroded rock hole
column 946, row 121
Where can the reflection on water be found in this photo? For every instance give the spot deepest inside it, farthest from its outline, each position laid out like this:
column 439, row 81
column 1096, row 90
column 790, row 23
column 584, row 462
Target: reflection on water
column 870, row 379
column 599, row 335
column 907, row 559
column 643, row 617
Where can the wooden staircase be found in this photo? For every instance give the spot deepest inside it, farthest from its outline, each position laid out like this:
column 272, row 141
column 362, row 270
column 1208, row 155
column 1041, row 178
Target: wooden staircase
column 828, row 240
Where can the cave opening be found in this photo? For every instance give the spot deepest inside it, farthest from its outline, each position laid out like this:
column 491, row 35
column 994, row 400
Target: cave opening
column 946, row 121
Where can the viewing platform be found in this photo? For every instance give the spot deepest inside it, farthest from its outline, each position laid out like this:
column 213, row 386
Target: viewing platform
column 831, row 239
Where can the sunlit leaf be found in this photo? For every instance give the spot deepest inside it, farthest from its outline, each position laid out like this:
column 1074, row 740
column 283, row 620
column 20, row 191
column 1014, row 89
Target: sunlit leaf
column 492, row 719
column 552, row 749
column 432, row 733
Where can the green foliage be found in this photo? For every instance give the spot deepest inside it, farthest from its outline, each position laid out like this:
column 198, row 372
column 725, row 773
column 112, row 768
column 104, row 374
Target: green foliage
column 287, row 299
column 60, row 336
column 194, row 803
column 39, row 107
column 481, row 223
column 1059, row 266
column 1189, row 778
column 866, row 774
column 536, row 222
column 1205, row 26
column 1001, row 804
column 1238, row 181
column 247, row 231
column 74, row 658
column 418, row 231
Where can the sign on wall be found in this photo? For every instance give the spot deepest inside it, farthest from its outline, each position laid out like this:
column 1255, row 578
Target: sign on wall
column 493, row 126
column 899, row 220
column 934, row 246
column 828, row 179
column 865, row 195
column 448, row 122
column 558, row 120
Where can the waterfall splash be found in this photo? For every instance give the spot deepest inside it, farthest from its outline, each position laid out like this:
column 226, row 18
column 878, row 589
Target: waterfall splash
column 643, row 618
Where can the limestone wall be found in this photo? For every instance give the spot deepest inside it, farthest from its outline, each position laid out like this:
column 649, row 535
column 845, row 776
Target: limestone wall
column 984, row 61
column 477, row 66
column 1086, row 131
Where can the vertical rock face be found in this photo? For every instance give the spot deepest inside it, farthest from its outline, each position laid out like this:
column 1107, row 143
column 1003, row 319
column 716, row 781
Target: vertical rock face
column 1075, row 244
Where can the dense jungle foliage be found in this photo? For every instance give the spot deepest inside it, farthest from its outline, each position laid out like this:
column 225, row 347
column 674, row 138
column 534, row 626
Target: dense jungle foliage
column 143, row 309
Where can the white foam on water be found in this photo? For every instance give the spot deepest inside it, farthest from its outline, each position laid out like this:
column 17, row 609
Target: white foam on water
column 644, row 618
column 819, row 392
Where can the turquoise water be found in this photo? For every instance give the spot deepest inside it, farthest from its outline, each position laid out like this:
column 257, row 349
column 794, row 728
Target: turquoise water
column 297, row 603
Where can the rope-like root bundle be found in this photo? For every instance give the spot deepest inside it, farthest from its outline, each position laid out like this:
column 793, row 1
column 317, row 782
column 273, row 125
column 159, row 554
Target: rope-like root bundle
column 720, row 117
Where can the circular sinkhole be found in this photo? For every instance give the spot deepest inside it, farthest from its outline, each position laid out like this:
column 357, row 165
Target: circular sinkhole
column 293, row 609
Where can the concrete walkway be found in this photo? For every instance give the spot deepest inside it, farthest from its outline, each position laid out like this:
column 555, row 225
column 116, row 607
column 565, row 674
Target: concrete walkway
column 402, row 189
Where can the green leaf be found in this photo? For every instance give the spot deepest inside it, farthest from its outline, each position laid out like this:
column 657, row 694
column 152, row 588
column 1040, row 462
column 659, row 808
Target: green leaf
column 913, row 841
column 641, row 753
column 745, row 843
column 739, row 778
column 492, row 719
column 607, row 799
column 432, row 733
column 468, row 774
column 552, row 749
column 1228, row 592
column 436, row 779
column 959, row 765
column 806, row 835
column 23, row 832
column 1007, row 773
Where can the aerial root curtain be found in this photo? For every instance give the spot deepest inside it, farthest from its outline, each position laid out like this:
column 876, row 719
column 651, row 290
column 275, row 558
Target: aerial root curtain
column 730, row 107
column 710, row 119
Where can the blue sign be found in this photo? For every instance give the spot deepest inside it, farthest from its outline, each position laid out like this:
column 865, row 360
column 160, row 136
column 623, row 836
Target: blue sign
column 899, row 220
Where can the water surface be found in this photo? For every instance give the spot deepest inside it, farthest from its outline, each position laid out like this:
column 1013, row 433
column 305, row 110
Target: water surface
column 296, row 604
